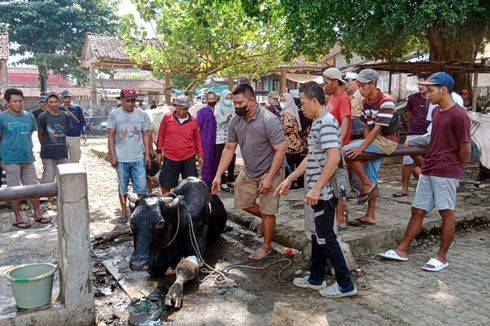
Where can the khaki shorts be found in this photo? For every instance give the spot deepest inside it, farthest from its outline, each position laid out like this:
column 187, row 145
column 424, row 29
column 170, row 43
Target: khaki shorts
column 247, row 191
column 20, row 174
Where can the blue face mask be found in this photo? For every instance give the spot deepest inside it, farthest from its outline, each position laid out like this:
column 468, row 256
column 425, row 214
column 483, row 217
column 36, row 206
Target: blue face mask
column 227, row 102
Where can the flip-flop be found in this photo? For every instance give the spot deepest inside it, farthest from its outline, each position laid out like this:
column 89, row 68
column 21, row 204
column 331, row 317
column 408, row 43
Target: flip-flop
column 260, row 254
column 435, row 265
column 21, row 225
column 391, row 254
column 400, row 194
column 368, row 196
column 359, row 222
column 43, row 220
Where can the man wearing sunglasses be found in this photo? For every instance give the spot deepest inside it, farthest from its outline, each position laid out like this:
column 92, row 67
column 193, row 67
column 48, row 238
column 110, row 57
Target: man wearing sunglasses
column 129, row 144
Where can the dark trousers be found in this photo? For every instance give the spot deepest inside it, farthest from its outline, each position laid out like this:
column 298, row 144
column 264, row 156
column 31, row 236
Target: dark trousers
column 293, row 161
column 231, row 168
column 325, row 246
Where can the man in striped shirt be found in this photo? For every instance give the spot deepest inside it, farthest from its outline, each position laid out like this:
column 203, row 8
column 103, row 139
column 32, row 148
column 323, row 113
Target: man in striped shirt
column 320, row 165
column 380, row 136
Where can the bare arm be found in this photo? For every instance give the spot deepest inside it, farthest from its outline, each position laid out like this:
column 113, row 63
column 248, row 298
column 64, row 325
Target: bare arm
column 147, row 144
column 266, row 184
column 344, row 128
column 283, row 188
column 464, row 152
column 111, row 133
column 313, row 195
column 225, row 161
column 370, row 136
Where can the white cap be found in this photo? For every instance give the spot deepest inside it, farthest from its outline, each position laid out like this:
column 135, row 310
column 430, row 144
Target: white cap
column 351, row 76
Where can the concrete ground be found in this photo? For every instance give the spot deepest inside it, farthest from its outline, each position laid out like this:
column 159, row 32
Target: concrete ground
column 390, row 293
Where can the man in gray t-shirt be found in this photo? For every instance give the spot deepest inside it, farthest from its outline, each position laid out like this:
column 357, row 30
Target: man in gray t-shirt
column 261, row 138
column 129, row 144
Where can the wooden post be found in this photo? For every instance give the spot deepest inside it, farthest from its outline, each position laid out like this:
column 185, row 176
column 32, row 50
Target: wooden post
column 93, row 87
column 474, row 93
column 230, row 82
column 168, row 88
column 282, row 83
column 389, row 83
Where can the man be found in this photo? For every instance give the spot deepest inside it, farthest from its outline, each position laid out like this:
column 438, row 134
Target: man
column 261, row 138
column 207, row 129
column 273, row 99
column 43, row 106
column 16, row 128
column 153, row 105
column 52, row 127
column 338, row 105
column 380, row 136
column 178, row 144
column 129, row 147
column 449, row 148
column 78, row 127
column 416, row 111
column 324, row 146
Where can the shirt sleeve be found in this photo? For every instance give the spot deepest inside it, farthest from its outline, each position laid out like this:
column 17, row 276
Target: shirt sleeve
column 197, row 140
column 232, row 137
column 409, row 106
column 81, row 117
column 41, row 123
column 329, row 136
column 220, row 115
column 33, row 123
column 274, row 131
column 111, row 121
column 462, row 126
column 146, row 121
column 161, row 132
column 345, row 108
column 385, row 114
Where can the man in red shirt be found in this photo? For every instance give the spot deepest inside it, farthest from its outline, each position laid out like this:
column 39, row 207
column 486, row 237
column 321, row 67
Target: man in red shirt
column 449, row 148
column 338, row 105
column 177, row 145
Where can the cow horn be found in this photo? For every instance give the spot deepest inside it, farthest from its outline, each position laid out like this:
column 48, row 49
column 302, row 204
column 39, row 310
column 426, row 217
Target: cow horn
column 167, row 200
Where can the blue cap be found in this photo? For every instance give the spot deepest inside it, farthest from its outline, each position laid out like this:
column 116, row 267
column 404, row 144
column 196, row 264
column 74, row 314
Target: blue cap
column 42, row 98
column 439, row 78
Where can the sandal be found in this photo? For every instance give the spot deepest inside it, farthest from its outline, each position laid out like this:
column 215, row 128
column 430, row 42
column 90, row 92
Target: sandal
column 21, row 225
column 400, row 194
column 43, row 220
column 364, row 197
column 260, row 254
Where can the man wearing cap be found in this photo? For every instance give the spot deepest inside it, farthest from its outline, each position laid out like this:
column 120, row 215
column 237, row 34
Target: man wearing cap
column 273, row 98
column 380, row 136
column 352, row 89
column 77, row 129
column 338, row 105
column 16, row 128
column 449, row 148
column 52, row 126
column 178, row 144
column 128, row 131
column 43, row 106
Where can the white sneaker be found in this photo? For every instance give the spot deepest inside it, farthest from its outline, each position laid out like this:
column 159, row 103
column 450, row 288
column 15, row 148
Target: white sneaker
column 302, row 282
column 333, row 291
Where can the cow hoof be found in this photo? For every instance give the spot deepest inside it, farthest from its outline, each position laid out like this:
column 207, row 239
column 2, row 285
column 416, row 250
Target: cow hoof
column 174, row 296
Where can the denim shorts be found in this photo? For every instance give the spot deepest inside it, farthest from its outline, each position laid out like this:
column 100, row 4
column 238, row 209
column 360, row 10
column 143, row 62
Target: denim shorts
column 372, row 166
column 136, row 171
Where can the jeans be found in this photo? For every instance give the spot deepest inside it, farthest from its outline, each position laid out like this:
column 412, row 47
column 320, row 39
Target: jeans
column 325, row 245
column 136, row 171
column 372, row 166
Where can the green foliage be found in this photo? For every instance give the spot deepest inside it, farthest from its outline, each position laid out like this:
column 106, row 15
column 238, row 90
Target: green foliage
column 50, row 33
column 383, row 29
column 200, row 38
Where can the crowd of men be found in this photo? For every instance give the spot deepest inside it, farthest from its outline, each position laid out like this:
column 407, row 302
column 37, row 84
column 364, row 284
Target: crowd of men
column 348, row 116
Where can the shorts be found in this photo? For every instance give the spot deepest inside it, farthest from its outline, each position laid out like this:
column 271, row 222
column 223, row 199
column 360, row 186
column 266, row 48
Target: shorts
column 171, row 170
column 247, row 191
column 438, row 192
column 136, row 171
column 420, row 141
column 20, row 174
column 372, row 166
column 407, row 160
column 49, row 168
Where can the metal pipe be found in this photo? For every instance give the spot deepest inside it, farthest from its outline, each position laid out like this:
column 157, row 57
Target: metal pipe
column 28, row 192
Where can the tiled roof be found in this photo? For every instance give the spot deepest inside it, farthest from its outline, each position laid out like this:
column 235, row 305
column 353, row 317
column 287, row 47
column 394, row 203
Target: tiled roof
column 151, row 83
column 300, row 63
column 106, row 48
column 4, row 45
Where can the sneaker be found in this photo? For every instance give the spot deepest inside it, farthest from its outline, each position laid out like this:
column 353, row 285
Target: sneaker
column 333, row 291
column 303, row 282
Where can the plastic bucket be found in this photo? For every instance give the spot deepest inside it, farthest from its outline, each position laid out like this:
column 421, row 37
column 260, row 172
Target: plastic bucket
column 32, row 284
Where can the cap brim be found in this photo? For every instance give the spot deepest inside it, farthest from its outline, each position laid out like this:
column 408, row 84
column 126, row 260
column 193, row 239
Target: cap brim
column 426, row 82
column 363, row 80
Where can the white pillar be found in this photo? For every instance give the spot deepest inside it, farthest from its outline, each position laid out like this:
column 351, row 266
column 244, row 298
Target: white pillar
column 93, row 86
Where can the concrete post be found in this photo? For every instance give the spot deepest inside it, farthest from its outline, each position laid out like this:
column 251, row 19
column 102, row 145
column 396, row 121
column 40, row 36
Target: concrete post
column 93, row 87
column 75, row 265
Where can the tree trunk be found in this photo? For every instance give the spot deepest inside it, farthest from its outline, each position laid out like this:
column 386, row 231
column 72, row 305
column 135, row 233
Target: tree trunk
column 463, row 47
column 43, row 77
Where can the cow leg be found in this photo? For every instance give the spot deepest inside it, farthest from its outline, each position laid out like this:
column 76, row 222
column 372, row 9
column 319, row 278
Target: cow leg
column 186, row 270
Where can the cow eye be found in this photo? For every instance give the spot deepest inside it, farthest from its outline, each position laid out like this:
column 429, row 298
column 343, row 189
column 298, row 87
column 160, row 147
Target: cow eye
column 159, row 225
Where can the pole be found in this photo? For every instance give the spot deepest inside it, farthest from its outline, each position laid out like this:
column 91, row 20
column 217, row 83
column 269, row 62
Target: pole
column 168, row 87
column 93, row 87
column 282, row 83
column 475, row 91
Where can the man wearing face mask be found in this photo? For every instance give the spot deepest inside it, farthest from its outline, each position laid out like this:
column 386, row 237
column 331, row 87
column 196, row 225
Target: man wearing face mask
column 261, row 138
column 274, row 107
column 207, row 130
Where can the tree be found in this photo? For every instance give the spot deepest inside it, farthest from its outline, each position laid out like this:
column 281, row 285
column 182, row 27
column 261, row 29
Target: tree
column 382, row 29
column 50, row 33
column 200, row 38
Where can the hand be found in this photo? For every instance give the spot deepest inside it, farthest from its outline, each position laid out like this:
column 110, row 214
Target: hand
column 200, row 160
column 148, row 161
column 312, row 197
column 159, row 159
column 215, row 185
column 354, row 152
column 84, row 138
column 283, row 188
column 265, row 185
column 113, row 162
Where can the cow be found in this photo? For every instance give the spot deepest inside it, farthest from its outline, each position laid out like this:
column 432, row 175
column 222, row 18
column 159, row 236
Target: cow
column 165, row 227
